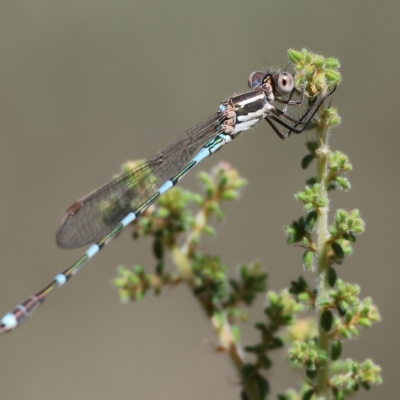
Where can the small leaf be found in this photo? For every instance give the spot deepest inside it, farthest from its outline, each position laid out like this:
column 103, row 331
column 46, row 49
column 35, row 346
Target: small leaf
column 205, row 178
column 312, row 146
column 365, row 386
column 331, row 62
column 336, row 349
column 337, row 249
column 265, row 362
column 236, row 333
column 332, row 76
column 257, row 349
column 304, row 297
column 248, row 370
column 332, row 277
column 229, row 195
column 343, row 182
column 338, row 394
column 323, row 301
column 365, row 322
column 261, row 326
column 283, row 397
column 310, row 221
column 311, row 181
column 308, row 257
column 305, row 162
column 276, row 343
column 160, row 267
column 350, row 237
column 243, row 395
column 308, row 394
column 158, row 249
column 326, row 320
column 295, row 56
column 263, row 386
column 342, row 311
column 311, row 373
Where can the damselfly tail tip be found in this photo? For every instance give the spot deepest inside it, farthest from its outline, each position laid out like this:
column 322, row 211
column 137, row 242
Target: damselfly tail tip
column 3, row 329
column 8, row 323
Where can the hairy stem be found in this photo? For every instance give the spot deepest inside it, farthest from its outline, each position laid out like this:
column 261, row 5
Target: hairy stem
column 322, row 251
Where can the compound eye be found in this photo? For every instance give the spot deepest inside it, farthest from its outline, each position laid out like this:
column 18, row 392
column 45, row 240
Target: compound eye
column 285, row 83
column 256, row 79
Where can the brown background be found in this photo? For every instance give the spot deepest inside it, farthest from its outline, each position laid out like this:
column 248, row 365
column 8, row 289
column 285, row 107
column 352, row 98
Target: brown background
column 86, row 85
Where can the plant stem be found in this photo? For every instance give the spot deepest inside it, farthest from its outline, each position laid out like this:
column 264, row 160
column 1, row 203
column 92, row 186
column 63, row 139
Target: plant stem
column 219, row 320
column 322, row 252
column 220, row 324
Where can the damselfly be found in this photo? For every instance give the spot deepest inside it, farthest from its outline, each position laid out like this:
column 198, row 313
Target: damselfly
column 103, row 213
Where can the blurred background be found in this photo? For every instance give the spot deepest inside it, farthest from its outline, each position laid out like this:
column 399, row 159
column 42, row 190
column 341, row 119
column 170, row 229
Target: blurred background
column 86, row 85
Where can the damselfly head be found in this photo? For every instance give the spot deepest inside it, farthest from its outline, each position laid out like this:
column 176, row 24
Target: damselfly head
column 282, row 82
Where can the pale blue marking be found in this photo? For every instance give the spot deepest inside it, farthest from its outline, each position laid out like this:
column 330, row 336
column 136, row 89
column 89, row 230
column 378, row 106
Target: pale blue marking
column 61, row 279
column 166, row 186
column 9, row 321
column 222, row 107
column 92, row 250
column 225, row 139
column 201, row 155
column 128, row 219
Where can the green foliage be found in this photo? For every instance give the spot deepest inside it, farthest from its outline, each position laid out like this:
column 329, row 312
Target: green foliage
column 315, row 317
column 350, row 375
column 340, row 310
column 315, row 71
column 299, row 231
column 306, row 355
column 252, row 281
